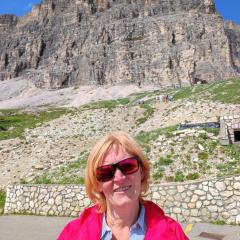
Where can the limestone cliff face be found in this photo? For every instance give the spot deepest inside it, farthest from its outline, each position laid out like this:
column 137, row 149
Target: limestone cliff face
column 65, row 43
column 233, row 32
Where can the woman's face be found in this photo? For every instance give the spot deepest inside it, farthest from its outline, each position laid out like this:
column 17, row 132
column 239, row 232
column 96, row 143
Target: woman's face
column 122, row 189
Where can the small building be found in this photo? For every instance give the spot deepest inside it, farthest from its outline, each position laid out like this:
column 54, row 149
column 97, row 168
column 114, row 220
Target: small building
column 230, row 129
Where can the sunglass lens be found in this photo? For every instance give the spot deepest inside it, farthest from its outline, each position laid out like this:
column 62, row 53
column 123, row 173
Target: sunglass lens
column 128, row 166
column 104, row 173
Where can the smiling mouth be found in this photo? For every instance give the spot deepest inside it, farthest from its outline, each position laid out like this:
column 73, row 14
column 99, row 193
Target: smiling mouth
column 122, row 189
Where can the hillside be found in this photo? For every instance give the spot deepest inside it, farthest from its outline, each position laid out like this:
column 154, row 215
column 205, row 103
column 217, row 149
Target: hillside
column 46, row 145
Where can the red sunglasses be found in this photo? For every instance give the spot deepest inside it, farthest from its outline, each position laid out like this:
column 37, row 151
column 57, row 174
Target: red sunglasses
column 126, row 166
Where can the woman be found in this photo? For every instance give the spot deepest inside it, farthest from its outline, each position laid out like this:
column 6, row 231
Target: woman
column 117, row 176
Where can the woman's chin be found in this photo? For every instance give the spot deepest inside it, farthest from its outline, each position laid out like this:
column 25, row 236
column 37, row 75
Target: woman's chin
column 122, row 201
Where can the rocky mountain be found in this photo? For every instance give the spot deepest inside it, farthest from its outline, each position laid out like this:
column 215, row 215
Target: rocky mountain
column 233, row 32
column 64, row 43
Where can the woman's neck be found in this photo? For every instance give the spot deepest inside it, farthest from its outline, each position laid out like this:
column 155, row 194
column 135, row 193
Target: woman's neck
column 122, row 217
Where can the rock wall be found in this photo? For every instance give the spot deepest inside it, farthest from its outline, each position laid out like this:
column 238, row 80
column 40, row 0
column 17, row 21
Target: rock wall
column 209, row 200
column 233, row 32
column 65, row 43
column 46, row 200
column 228, row 125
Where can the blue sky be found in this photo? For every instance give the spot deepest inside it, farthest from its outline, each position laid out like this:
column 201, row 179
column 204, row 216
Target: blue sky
column 18, row 7
column 229, row 9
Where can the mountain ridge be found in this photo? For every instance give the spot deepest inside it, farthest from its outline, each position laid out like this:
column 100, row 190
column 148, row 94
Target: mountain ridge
column 76, row 42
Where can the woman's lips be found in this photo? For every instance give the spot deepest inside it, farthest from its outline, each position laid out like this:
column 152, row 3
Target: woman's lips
column 122, row 189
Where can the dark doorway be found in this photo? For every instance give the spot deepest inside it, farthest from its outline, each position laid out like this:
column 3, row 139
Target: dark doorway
column 236, row 135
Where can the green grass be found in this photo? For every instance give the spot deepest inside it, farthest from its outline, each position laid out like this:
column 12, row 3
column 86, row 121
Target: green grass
column 179, row 176
column 226, row 91
column 158, row 175
column 148, row 113
column 203, row 155
column 14, row 122
column 231, row 167
column 68, row 174
column 191, row 170
column 2, row 201
column 109, row 104
column 232, row 150
column 212, row 147
column 193, row 176
column 144, row 138
column 164, row 161
column 183, row 93
column 158, row 167
column 137, row 96
column 215, row 131
column 219, row 222
column 65, row 180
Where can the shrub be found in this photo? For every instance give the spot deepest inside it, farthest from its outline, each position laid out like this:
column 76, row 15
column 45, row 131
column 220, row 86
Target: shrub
column 149, row 111
column 219, row 222
column 203, row 136
column 179, row 177
column 192, row 176
column 157, row 175
column 170, row 178
column 2, row 201
column 68, row 174
column 203, row 156
column 165, row 161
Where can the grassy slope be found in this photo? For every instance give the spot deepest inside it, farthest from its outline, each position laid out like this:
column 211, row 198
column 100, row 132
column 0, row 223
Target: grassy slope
column 13, row 124
column 227, row 91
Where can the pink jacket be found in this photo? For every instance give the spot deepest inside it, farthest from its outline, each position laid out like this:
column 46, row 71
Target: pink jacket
column 89, row 225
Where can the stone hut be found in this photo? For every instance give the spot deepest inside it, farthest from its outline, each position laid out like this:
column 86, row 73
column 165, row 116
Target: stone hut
column 230, row 129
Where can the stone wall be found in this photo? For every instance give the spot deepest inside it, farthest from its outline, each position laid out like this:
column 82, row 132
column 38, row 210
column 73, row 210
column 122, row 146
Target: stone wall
column 208, row 200
column 228, row 124
column 46, row 200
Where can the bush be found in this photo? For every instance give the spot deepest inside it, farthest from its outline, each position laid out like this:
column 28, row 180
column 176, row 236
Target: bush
column 72, row 173
column 157, row 175
column 149, row 111
column 179, row 177
column 165, row 161
column 219, row 222
column 203, row 156
column 192, row 176
column 2, row 201
column 170, row 178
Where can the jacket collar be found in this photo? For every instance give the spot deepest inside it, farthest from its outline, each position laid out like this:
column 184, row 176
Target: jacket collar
column 153, row 214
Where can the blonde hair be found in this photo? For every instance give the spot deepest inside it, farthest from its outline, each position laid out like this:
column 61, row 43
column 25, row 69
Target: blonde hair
column 96, row 158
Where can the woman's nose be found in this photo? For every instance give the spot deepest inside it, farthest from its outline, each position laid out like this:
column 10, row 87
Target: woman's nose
column 119, row 175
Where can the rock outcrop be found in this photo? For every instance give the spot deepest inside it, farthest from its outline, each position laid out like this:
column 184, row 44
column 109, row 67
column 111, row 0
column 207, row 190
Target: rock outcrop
column 65, row 43
column 233, row 32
